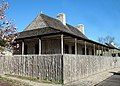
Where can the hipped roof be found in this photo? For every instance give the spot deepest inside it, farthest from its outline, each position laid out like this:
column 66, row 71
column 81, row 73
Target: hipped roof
column 43, row 25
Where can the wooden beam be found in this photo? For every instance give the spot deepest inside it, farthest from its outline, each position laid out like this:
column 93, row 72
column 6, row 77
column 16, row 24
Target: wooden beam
column 76, row 46
column 98, row 51
column 22, row 47
column 113, row 51
column 94, row 48
column 85, row 48
column 108, row 52
column 40, row 50
column 51, row 36
column 62, row 44
column 102, row 50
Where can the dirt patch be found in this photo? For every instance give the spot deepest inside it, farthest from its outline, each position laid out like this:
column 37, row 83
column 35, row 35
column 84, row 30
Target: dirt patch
column 3, row 83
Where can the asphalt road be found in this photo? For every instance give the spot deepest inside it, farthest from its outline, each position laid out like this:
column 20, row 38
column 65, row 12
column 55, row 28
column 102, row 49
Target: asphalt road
column 114, row 80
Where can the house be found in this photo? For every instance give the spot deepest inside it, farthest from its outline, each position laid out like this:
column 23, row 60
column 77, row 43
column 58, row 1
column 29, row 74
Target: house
column 47, row 35
column 116, row 51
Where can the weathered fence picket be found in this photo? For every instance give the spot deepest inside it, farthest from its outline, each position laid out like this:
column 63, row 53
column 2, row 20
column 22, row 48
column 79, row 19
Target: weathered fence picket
column 80, row 66
column 44, row 67
column 56, row 68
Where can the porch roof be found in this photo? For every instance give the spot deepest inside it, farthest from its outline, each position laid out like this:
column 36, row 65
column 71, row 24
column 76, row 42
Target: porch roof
column 52, row 31
column 36, row 32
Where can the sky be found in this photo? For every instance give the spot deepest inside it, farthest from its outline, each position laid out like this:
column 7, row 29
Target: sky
column 100, row 17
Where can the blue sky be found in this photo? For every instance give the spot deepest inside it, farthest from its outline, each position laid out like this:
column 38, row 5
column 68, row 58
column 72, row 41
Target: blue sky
column 100, row 17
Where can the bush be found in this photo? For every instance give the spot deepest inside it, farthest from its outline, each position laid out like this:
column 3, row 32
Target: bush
column 2, row 43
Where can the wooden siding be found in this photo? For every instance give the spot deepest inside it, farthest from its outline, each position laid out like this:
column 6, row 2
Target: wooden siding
column 51, row 46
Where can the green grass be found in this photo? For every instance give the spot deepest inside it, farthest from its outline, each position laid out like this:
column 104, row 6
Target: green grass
column 12, row 82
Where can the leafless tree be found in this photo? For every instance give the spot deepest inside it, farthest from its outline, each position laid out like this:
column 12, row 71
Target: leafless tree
column 107, row 39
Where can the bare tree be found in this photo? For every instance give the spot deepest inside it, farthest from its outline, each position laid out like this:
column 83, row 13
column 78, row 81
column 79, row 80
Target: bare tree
column 7, row 28
column 101, row 40
column 107, row 39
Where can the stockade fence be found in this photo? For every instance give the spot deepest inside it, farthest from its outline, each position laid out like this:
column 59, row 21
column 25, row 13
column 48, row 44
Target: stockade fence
column 57, row 68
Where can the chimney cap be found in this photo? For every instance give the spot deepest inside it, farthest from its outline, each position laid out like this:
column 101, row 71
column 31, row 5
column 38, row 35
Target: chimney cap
column 80, row 27
column 60, row 14
column 62, row 18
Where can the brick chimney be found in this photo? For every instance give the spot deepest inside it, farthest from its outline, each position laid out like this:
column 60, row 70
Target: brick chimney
column 80, row 27
column 62, row 18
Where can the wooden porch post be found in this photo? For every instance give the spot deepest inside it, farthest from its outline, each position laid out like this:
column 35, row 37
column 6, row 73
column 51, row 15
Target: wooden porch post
column 94, row 49
column 108, row 52
column 113, row 51
column 40, row 46
column 62, row 44
column 98, row 51
column 75, row 46
column 22, row 47
column 102, row 50
column 85, row 47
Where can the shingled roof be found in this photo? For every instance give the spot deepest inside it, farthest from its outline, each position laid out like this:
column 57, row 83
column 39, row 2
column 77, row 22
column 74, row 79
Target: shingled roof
column 43, row 23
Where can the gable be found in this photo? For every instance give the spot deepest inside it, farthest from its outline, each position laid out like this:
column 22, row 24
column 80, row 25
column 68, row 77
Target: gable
column 36, row 23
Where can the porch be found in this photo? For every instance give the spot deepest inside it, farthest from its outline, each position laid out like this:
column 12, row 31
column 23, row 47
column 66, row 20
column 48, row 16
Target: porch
column 61, row 44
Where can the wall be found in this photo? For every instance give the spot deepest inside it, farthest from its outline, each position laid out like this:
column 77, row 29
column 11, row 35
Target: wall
column 51, row 46
column 30, row 45
column 18, row 49
column 79, row 49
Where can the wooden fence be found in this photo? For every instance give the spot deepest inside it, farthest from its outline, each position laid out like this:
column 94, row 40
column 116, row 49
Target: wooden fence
column 44, row 67
column 76, row 67
column 56, row 68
